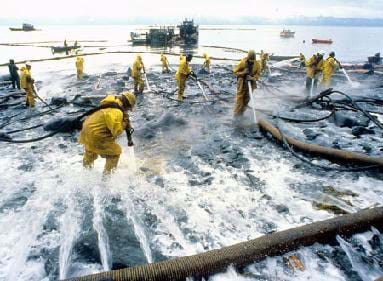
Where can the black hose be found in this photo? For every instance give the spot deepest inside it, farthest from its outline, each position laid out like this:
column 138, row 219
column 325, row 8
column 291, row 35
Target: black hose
column 305, row 120
column 25, row 129
column 30, row 140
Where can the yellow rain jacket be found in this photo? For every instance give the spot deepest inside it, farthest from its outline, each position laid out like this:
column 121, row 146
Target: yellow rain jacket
column 164, row 61
column 183, row 70
column 101, row 129
column 23, row 77
column 136, row 69
column 243, row 97
column 80, row 64
column 329, row 67
column 313, row 69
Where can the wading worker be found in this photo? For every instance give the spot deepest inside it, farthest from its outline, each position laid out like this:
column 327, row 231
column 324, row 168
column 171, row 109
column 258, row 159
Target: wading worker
column 101, row 129
column 27, row 83
column 182, row 74
column 248, row 69
column 314, row 67
column 15, row 78
column 165, row 63
column 330, row 65
column 137, row 69
column 80, row 67
column 207, row 62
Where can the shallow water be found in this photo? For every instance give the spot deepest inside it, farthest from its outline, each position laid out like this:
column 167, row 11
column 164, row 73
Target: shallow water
column 195, row 181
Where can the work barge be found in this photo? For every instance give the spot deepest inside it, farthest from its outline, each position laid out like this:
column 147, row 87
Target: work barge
column 184, row 34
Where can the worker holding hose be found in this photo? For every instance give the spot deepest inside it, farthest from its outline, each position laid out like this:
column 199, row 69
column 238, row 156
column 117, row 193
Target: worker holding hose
column 207, row 62
column 182, row 74
column 165, row 63
column 137, row 69
column 314, row 67
column 80, row 67
column 330, row 65
column 248, row 69
column 101, row 129
column 265, row 57
column 27, row 83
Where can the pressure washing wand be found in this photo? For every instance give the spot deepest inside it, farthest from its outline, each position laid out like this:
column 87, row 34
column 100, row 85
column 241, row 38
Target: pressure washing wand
column 252, row 99
column 37, row 95
column 194, row 77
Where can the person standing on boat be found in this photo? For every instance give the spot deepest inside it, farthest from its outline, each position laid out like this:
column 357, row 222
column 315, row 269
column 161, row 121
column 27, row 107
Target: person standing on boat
column 330, row 65
column 165, row 63
column 80, row 67
column 15, row 78
column 248, row 70
column 27, row 83
column 182, row 74
column 101, row 129
column 207, row 62
column 314, row 67
column 137, row 70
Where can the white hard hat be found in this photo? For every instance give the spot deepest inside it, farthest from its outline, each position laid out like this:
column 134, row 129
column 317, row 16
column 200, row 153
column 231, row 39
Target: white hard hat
column 321, row 52
column 28, row 63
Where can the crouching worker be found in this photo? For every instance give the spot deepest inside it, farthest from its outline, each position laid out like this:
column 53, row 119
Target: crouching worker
column 247, row 70
column 101, row 129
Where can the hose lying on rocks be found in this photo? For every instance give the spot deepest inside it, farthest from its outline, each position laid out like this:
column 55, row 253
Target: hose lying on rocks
column 243, row 254
column 336, row 155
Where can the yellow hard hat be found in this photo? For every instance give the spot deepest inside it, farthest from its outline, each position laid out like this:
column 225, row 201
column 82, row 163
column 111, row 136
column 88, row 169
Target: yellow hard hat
column 139, row 57
column 204, row 55
column 251, row 55
column 130, row 97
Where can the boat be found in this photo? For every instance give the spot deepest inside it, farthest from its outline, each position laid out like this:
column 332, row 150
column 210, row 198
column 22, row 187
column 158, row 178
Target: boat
column 185, row 33
column 287, row 33
column 25, row 27
column 375, row 59
column 63, row 49
column 322, row 41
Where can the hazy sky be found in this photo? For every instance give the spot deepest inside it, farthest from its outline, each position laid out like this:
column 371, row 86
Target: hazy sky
column 179, row 9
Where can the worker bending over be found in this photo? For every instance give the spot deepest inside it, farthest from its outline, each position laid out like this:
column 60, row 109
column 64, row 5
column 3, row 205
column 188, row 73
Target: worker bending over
column 165, row 63
column 314, row 67
column 27, row 83
column 206, row 63
column 80, row 67
column 248, row 69
column 101, row 129
column 330, row 65
column 182, row 74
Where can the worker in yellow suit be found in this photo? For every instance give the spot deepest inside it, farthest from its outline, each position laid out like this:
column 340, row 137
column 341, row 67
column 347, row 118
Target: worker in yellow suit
column 248, row 69
column 27, row 83
column 80, row 67
column 302, row 60
column 165, row 63
column 101, row 129
column 206, row 63
column 137, row 70
column 264, row 59
column 182, row 74
column 314, row 67
column 330, row 65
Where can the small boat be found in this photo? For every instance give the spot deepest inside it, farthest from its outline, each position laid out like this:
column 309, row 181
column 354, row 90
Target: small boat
column 287, row 33
column 321, row 41
column 25, row 27
column 375, row 59
column 63, row 49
